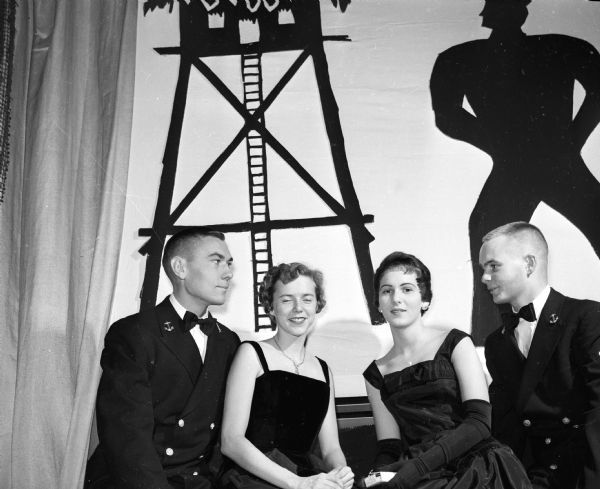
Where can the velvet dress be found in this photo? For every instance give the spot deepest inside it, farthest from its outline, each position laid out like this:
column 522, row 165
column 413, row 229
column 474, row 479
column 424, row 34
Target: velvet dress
column 285, row 419
column 425, row 401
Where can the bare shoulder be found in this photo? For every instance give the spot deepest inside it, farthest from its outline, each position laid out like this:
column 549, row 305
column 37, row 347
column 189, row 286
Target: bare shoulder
column 437, row 336
column 437, row 333
column 463, row 343
column 246, row 355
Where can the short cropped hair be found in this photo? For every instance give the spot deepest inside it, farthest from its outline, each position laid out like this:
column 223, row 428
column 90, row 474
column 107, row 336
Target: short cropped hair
column 286, row 273
column 520, row 230
column 178, row 244
column 399, row 260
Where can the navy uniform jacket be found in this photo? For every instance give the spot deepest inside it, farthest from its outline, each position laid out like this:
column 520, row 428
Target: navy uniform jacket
column 158, row 420
column 547, row 407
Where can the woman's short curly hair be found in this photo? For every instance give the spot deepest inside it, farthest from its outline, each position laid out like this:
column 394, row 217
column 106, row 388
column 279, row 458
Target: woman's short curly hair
column 287, row 272
column 408, row 264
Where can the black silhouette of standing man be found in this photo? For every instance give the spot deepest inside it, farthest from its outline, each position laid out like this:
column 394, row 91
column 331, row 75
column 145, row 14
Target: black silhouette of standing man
column 521, row 91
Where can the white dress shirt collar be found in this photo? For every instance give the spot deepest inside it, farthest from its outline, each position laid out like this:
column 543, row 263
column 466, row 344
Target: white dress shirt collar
column 540, row 301
column 180, row 310
column 525, row 330
column 199, row 337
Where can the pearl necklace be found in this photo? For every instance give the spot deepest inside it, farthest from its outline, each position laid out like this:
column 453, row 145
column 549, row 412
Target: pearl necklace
column 296, row 364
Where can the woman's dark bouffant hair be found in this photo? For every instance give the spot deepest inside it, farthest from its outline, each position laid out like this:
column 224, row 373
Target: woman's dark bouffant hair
column 408, row 264
column 286, row 272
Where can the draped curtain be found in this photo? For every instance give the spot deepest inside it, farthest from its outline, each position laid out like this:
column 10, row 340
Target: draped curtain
column 7, row 36
column 61, row 226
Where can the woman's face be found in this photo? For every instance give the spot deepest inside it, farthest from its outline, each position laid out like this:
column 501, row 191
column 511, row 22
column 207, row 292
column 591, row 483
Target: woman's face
column 295, row 305
column 400, row 298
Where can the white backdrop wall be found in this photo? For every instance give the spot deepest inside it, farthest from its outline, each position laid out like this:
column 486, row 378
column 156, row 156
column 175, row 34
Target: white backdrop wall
column 419, row 184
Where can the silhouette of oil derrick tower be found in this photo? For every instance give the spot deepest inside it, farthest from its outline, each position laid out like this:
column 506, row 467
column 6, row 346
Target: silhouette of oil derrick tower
column 200, row 40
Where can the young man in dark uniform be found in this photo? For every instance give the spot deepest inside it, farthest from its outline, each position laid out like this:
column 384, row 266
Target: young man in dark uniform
column 544, row 362
column 161, row 392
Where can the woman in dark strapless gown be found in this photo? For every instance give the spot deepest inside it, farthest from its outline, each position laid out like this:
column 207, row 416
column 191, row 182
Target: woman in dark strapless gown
column 429, row 396
column 280, row 400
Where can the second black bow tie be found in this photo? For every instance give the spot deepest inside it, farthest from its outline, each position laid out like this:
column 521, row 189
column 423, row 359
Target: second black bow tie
column 207, row 325
column 511, row 319
column 527, row 313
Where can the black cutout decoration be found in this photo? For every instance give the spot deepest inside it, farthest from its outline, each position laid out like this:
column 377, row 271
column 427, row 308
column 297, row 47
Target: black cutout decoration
column 520, row 89
column 198, row 41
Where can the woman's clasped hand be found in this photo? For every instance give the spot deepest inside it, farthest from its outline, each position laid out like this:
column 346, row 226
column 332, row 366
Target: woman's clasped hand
column 338, row 478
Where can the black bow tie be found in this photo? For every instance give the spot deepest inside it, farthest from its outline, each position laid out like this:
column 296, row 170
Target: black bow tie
column 207, row 325
column 511, row 319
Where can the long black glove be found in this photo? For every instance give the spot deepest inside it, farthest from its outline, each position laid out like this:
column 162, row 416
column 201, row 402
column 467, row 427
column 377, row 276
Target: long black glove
column 474, row 428
column 389, row 450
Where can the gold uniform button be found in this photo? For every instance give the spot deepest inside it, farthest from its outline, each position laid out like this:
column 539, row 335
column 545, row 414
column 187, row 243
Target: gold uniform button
column 212, row 426
column 201, row 457
column 565, row 420
column 169, row 451
column 195, row 473
column 526, row 423
column 181, row 423
column 553, row 467
column 547, row 441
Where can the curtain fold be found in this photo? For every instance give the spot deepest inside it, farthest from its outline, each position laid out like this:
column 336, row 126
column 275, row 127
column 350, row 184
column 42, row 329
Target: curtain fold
column 61, row 226
column 7, row 39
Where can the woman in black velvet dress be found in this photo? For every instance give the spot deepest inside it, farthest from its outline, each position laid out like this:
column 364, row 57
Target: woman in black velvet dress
column 280, row 397
column 429, row 395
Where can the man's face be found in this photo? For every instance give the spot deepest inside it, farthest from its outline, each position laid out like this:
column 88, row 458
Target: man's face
column 504, row 270
column 208, row 270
